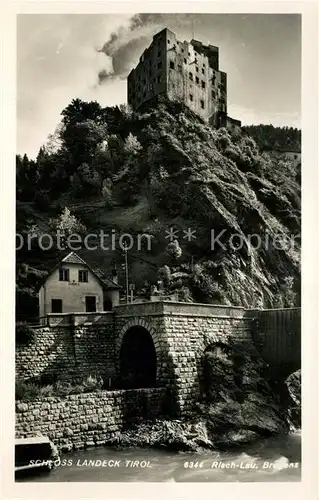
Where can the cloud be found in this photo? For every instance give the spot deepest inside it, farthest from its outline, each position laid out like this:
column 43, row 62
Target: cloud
column 125, row 45
column 58, row 60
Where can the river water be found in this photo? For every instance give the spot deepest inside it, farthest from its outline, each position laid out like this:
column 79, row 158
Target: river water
column 272, row 459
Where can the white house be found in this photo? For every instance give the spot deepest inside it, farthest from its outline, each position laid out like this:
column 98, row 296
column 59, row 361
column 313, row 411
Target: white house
column 73, row 286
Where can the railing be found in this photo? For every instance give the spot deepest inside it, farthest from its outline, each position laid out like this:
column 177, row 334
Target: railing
column 73, row 319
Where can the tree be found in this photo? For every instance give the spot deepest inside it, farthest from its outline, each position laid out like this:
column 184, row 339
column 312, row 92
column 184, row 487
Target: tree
column 84, row 128
column 67, row 223
column 174, row 250
column 132, row 145
column 164, row 274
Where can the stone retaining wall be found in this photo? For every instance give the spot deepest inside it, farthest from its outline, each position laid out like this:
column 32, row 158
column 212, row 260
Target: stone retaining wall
column 90, row 419
column 67, row 353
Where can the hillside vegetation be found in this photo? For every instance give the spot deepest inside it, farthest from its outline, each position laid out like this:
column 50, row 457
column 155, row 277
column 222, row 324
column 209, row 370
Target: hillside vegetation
column 146, row 173
column 269, row 138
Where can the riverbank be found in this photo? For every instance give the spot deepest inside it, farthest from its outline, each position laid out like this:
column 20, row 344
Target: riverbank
column 268, row 460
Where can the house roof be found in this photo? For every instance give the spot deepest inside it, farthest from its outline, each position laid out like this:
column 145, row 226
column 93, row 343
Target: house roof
column 74, row 258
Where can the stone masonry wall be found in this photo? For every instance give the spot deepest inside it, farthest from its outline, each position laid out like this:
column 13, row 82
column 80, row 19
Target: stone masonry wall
column 181, row 332
column 68, row 353
column 90, row 419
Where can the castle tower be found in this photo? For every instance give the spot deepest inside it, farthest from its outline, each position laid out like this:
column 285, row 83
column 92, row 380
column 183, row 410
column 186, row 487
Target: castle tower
column 182, row 71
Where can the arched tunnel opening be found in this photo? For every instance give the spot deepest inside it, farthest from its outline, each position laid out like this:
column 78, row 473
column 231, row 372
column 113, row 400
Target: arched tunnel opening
column 137, row 359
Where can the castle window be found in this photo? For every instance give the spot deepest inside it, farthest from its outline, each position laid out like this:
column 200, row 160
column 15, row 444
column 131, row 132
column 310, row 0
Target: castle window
column 197, row 79
column 203, row 84
column 189, row 54
column 204, row 65
column 158, row 54
column 168, row 41
column 177, row 42
column 144, row 94
column 83, row 276
column 159, row 65
column 190, row 76
column 213, row 94
column 203, row 71
column 197, row 69
column 185, row 60
column 172, row 65
column 183, row 50
column 202, row 104
column 190, row 97
column 158, row 79
column 64, row 274
column 180, row 68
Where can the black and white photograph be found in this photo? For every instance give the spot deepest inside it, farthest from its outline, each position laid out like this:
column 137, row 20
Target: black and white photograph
column 158, row 284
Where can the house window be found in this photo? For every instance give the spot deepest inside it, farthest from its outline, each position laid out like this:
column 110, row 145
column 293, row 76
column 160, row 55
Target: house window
column 190, row 76
column 197, row 79
column 203, row 84
column 64, row 274
column 202, row 105
column 172, row 65
column 190, row 97
column 56, row 305
column 83, row 276
column 90, row 303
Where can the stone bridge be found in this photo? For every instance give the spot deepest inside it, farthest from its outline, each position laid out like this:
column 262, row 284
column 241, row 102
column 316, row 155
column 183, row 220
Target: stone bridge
column 157, row 344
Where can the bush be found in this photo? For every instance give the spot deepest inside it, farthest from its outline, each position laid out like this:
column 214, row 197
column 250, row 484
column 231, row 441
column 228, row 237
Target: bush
column 26, row 390
column 32, row 389
column 25, row 334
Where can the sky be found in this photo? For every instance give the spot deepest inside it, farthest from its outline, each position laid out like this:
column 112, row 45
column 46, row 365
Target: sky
column 88, row 56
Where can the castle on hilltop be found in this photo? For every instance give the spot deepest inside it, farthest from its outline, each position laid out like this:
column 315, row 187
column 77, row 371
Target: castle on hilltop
column 187, row 72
